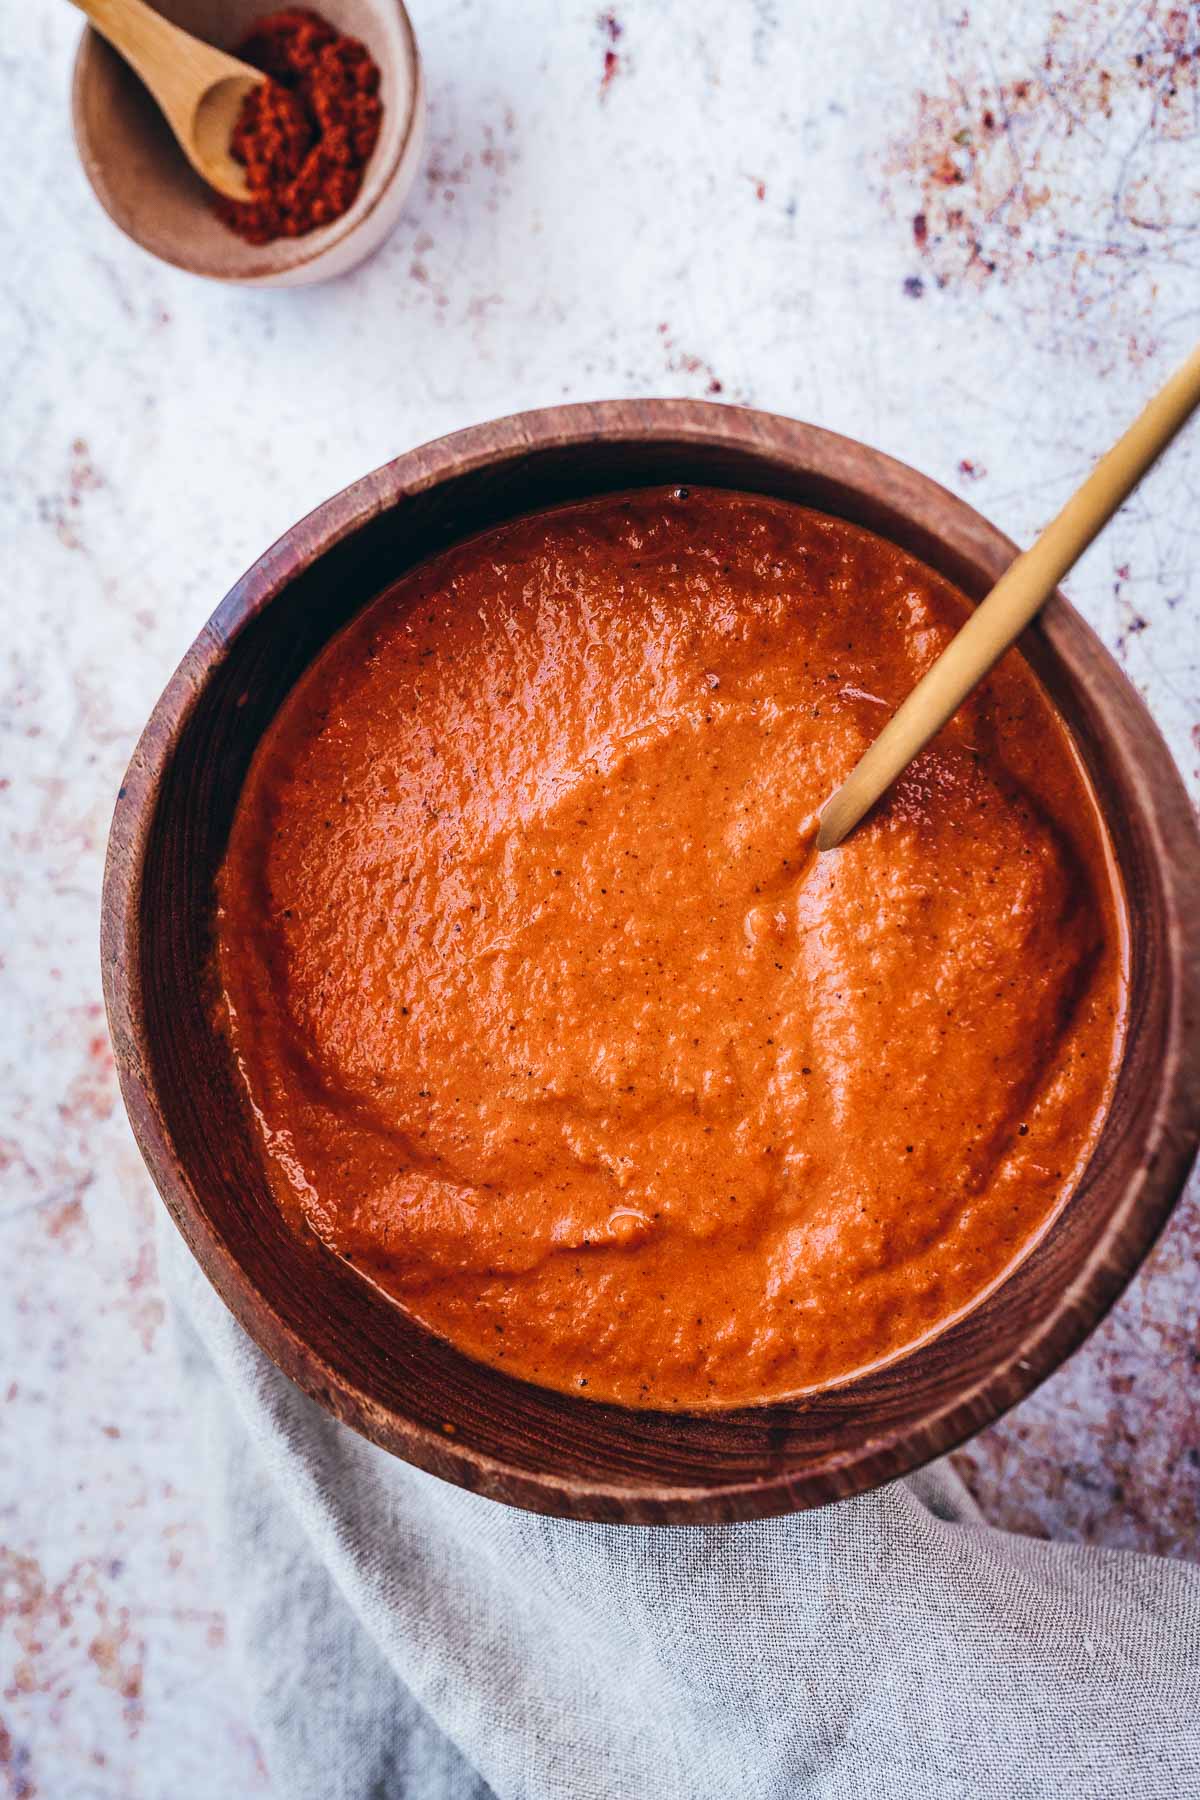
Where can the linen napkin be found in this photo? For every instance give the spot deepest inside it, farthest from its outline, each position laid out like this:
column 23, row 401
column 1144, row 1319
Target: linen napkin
column 400, row 1637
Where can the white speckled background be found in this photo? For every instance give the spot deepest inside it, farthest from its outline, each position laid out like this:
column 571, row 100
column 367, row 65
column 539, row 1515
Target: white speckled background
column 968, row 238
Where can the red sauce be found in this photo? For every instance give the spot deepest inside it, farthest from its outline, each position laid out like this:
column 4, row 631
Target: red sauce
column 553, row 1024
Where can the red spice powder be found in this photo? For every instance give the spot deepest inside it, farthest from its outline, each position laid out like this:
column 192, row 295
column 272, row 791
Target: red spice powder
column 304, row 136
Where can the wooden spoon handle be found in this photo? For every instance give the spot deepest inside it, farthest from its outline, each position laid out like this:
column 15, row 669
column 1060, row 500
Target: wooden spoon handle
column 175, row 66
column 999, row 619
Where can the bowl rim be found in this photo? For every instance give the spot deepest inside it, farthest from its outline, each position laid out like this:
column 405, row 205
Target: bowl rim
column 325, row 241
column 1171, row 1133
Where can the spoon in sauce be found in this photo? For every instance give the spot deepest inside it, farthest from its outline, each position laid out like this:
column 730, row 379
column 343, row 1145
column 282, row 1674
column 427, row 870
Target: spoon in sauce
column 200, row 90
column 1020, row 592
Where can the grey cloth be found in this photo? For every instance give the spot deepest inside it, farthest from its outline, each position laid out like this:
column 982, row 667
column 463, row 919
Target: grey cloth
column 402, row 1638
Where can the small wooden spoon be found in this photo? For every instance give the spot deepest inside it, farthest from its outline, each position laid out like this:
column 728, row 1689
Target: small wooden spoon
column 200, row 90
column 1020, row 592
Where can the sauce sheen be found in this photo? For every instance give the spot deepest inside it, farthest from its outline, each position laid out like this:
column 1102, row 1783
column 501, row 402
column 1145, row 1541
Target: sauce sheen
column 552, row 1023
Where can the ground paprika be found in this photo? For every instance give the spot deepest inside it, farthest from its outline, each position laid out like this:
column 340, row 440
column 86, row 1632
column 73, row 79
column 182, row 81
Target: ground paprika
column 304, row 136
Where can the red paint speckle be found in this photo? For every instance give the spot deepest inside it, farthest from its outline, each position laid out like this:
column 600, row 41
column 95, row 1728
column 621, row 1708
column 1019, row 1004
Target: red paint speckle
column 145, row 1270
column 613, row 31
column 41, row 1621
column 1002, row 182
column 65, row 1217
column 145, row 1305
column 14, row 1765
column 682, row 362
column 58, row 509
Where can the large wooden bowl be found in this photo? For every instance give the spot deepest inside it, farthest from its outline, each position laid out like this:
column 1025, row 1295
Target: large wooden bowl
column 341, row 1339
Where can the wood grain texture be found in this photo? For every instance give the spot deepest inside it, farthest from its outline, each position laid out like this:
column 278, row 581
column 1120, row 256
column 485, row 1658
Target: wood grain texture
column 340, row 1338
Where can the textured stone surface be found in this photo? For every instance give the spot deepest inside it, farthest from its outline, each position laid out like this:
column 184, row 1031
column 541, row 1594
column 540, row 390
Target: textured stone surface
column 970, row 238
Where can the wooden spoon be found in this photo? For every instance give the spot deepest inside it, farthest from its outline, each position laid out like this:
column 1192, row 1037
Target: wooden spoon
column 200, row 90
column 999, row 619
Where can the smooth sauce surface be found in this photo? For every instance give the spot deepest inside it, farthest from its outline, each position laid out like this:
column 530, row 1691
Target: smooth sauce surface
column 551, row 1024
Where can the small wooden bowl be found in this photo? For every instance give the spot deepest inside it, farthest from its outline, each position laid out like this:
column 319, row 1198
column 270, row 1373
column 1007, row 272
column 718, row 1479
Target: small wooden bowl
column 341, row 1339
column 147, row 187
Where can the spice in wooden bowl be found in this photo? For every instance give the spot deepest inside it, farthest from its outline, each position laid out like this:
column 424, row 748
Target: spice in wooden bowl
column 305, row 136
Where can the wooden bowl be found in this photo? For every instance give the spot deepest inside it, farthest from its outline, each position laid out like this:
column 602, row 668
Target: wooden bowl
column 146, row 185
column 342, row 1339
